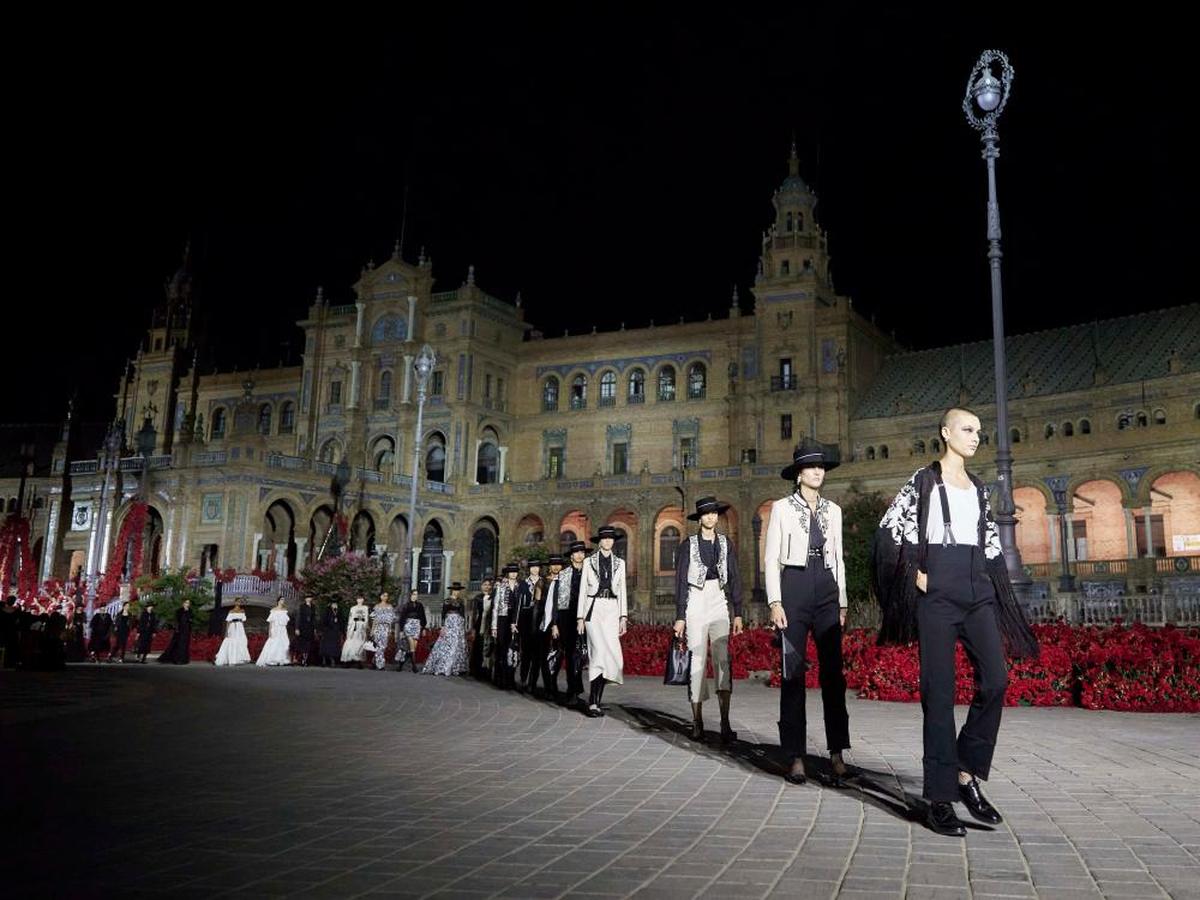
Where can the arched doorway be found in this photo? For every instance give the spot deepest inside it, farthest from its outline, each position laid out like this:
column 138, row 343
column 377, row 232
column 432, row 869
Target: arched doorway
column 431, row 563
column 435, row 457
column 1033, row 526
column 323, row 539
column 362, row 533
column 573, row 527
column 530, row 530
column 1175, row 508
column 1098, row 522
column 278, row 550
column 484, row 552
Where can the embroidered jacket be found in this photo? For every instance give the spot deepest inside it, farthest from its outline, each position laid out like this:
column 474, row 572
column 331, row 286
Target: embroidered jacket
column 589, row 584
column 691, row 572
column 788, row 533
column 506, row 600
column 899, row 554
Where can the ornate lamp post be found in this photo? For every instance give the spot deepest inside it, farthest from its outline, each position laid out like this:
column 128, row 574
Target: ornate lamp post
column 984, row 101
column 423, row 368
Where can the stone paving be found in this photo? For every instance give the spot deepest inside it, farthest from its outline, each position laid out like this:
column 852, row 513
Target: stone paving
column 139, row 781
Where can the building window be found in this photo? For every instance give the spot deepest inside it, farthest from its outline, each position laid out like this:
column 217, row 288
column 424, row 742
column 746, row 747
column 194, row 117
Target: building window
column 637, row 386
column 435, row 458
column 621, row 544
column 1015, row 436
column 749, row 456
column 668, row 545
column 788, row 226
column 565, row 540
column 1050, row 431
column 1157, row 535
column 883, row 451
column 1160, row 417
column 1143, row 420
column 666, row 383
column 785, row 268
column 785, row 429
column 919, row 448
column 983, row 438
column 608, row 389
column 579, row 392
column 620, row 459
column 287, row 418
column 1068, row 429
column 550, row 395
column 935, row 446
column 483, row 556
column 554, row 463
column 487, row 385
column 1085, row 427
column 384, row 454
column 696, row 381
column 335, row 393
column 799, row 221
column 385, row 388
column 687, row 452
column 870, row 453
column 438, row 384
column 487, row 469
column 264, row 419
column 431, row 561
column 331, row 452
column 218, row 424
column 1124, row 420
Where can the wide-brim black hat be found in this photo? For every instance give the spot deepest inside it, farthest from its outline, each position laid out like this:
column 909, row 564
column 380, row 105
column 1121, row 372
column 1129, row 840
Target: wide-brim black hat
column 808, row 454
column 457, row 586
column 554, row 560
column 576, row 547
column 511, row 567
column 606, row 531
column 707, row 505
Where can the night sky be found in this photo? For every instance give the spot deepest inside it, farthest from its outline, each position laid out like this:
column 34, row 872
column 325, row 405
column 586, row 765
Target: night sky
column 612, row 167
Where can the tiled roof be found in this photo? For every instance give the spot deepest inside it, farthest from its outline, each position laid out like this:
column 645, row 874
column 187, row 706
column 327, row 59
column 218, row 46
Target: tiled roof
column 1130, row 349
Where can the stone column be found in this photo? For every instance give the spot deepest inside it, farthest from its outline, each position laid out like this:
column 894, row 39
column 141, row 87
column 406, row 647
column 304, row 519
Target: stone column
column 1148, row 530
column 1130, row 534
column 416, row 559
column 301, row 550
column 358, row 324
column 1072, row 555
column 447, row 562
column 475, row 477
column 1052, row 527
column 281, row 560
column 412, row 317
column 406, row 397
column 355, row 367
column 503, row 474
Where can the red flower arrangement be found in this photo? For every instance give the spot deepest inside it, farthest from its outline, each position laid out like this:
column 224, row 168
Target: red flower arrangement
column 131, row 533
column 14, row 537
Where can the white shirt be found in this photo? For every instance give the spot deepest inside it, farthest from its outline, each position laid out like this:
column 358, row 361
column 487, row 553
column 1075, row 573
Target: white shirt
column 964, row 515
column 548, row 611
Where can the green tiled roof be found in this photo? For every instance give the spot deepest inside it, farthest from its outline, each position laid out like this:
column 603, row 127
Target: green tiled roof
column 1131, row 348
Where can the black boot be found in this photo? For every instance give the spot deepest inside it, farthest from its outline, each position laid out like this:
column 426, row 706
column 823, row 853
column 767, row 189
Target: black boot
column 697, row 733
column 793, row 752
column 728, row 735
column 977, row 804
column 593, row 708
column 413, row 656
column 942, row 819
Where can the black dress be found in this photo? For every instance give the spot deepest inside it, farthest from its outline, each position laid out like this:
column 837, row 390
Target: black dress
column 332, row 628
column 124, row 625
column 147, row 625
column 101, row 626
column 305, row 643
column 179, row 650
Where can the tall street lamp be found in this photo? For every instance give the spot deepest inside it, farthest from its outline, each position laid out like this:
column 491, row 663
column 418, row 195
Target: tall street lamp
column 423, row 368
column 982, row 104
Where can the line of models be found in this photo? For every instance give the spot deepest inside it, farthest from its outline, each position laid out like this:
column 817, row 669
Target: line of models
column 939, row 574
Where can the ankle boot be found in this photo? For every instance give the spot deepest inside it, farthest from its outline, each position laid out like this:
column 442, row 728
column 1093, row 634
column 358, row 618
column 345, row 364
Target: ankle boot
column 697, row 722
column 728, row 735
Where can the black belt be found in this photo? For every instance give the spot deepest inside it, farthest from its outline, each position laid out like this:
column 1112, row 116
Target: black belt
column 606, row 595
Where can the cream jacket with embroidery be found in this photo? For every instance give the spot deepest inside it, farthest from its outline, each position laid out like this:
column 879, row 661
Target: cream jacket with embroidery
column 787, row 542
column 590, row 583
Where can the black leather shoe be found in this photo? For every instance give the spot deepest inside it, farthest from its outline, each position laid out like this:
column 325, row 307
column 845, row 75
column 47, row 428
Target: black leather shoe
column 977, row 804
column 942, row 819
column 728, row 735
column 594, row 711
column 796, row 774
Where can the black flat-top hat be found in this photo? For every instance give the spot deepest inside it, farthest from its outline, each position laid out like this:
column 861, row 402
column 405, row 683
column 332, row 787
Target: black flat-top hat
column 707, row 505
column 555, row 559
column 511, row 567
column 456, row 586
column 809, row 453
column 576, row 547
column 606, row 531
column 530, row 563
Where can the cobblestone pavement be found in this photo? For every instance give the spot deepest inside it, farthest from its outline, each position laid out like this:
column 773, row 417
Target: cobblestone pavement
column 145, row 780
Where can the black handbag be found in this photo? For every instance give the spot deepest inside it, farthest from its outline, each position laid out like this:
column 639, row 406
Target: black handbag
column 679, row 663
column 553, row 659
column 580, row 660
column 514, row 655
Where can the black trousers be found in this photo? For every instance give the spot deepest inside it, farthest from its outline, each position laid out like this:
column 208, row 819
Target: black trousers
column 541, row 644
column 528, row 637
column 503, row 673
column 568, row 638
column 810, row 601
column 959, row 605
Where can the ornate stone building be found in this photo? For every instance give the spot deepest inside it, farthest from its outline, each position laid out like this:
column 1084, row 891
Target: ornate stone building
column 530, row 437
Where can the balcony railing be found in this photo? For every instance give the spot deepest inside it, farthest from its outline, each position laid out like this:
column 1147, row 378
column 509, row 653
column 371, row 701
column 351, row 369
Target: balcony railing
column 135, row 463
column 209, row 458
column 697, row 393
column 607, row 401
column 383, row 403
column 785, row 382
column 579, row 403
column 282, row 461
column 635, row 398
column 85, row 466
column 495, row 403
column 348, row 309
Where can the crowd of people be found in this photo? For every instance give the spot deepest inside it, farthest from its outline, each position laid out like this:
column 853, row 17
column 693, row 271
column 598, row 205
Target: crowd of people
column 939, row 576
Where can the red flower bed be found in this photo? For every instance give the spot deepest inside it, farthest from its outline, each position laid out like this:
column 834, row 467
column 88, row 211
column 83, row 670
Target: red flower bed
column 204, row 647
column 1114, row 667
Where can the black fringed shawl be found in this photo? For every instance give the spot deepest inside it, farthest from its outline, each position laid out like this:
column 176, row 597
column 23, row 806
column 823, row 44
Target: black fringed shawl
column 899, row 551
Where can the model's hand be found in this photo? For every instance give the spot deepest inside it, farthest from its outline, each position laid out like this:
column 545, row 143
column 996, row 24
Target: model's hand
column 493, row 632
column 738, row 627
column 842, row 617
column 680, row 625
column 554, row 632
column 922, row 581
column 582, row 627
column 778, row 616
column 514, row 628
column 622, row 627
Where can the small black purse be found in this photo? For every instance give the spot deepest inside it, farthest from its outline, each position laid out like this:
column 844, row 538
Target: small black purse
column 679, row 663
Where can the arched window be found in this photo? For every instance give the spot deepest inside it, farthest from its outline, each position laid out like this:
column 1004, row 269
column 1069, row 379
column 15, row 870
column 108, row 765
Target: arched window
column 331, row 452
column 621, row 544
column 984, row 440
column 788, row 227
column 1124, row 420
column 666, row 383
column 1015, row 437
column 1196, row 411
column 264, row 419
column 668, row 544
column 218, row 424
column 565, row 539
column 384, row 398
column 870, row 453
column 696, row 381
column 1160, row 417
column 1050, row 431
column 383, row 453
column 1085, row 426
column 550, row 394
column 487, row 468
column 1142, row 420
column 608, row 388
column 1068, row 429
column 431, row 561
column 287, row 417
column 799, row 221
column 637, row 386
column 935, row 446
column 883, row 451
column 579, row 392
column 483, row 556
column 435, row 458
column 919, row 448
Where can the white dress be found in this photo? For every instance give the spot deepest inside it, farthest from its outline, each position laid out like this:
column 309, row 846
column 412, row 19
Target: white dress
column 234, row 649
column 356, row 634
column 276, row 651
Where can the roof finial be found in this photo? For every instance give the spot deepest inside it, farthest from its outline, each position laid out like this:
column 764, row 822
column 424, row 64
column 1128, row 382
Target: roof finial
column 793, row 159
column 518, row 301
column 470, row 274
column 396, row 249
column 320, row 295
